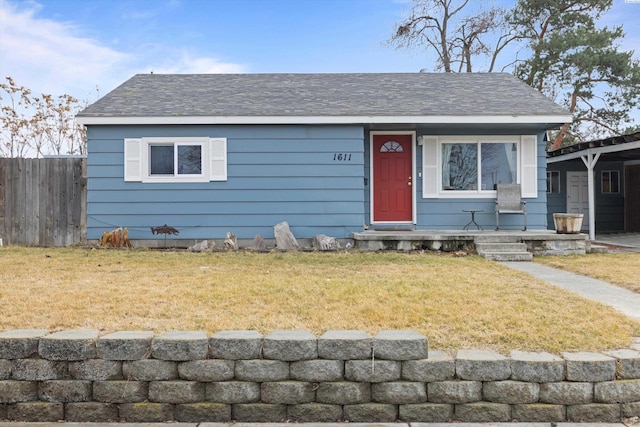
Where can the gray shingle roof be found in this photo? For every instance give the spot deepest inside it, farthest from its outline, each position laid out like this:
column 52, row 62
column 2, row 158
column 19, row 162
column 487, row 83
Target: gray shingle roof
column 319, row 95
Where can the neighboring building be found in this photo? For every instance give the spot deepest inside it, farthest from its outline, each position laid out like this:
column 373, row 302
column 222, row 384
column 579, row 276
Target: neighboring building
column 614, row 166
column 328, row 153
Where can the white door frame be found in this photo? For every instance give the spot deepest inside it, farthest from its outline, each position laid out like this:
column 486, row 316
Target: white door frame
column 414, row 208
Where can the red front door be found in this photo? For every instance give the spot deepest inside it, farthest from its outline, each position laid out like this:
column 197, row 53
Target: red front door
column 392, row 178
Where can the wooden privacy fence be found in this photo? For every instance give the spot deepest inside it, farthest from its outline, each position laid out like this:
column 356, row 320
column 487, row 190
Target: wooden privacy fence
column 43, row 201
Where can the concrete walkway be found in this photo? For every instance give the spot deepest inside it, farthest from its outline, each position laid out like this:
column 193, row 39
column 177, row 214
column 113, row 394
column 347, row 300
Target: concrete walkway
column 622, row 242
column 621, row 299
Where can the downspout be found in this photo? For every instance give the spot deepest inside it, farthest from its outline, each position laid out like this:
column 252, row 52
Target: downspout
column 590, row 162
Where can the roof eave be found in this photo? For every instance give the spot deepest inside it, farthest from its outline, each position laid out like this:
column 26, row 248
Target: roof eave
column 594, row 150
column 551, row 120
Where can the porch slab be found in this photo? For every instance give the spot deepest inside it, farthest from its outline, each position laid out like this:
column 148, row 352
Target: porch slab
column 538, row 242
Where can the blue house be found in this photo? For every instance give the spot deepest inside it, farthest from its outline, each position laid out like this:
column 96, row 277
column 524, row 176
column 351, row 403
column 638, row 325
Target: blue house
column 328, row 153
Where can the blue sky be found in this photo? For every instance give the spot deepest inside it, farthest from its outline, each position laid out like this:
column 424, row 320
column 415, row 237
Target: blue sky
column 76, row 46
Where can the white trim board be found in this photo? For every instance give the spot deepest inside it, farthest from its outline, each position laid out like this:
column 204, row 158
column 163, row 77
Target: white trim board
column 202, row 120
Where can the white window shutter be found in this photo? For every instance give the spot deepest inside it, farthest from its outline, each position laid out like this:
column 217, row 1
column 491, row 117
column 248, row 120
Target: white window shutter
column 429, row 167
column 529, row 166
column 132, row 159
column 218, row 159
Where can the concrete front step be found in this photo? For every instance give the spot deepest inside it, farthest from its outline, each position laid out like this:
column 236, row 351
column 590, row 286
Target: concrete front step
column 497, row 238
column 500, row 247
column 508, row 256
column 504, row 251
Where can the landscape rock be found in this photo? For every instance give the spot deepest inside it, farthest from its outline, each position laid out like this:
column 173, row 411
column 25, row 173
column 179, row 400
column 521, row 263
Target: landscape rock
column 259, row 244
column 230, row 242
column 285, row 241
column 322, row 242
column 203, row 246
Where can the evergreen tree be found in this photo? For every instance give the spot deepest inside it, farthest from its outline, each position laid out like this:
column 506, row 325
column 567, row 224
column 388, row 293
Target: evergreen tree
column 578, row 64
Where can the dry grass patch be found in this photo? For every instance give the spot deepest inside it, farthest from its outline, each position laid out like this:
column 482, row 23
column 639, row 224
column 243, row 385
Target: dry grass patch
column 457, row 302
column 622, row 269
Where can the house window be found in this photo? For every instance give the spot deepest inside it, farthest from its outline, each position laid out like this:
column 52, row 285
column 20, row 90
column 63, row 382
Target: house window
column 610, row 182
column 553, row 182
column 177, row 159
column 478, row 166
column 391, row 147
column 472, row 166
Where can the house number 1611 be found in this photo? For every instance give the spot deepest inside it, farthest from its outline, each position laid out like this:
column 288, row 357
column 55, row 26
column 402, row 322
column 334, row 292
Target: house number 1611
column 342, row 157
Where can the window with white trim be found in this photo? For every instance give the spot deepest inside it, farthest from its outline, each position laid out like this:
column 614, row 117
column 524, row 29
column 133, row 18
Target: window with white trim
column 178, row 159
column 472, row 166
column 610, row 182
column 553, row 182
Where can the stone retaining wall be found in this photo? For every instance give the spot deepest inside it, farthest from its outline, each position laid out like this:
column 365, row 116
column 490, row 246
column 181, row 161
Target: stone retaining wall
column 137, row 376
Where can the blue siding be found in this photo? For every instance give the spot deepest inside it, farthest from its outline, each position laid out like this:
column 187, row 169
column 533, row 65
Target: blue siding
column 447, row 214
column 275, row 173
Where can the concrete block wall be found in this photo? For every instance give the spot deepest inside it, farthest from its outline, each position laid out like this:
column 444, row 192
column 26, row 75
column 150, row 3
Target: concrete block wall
column 136, row 376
